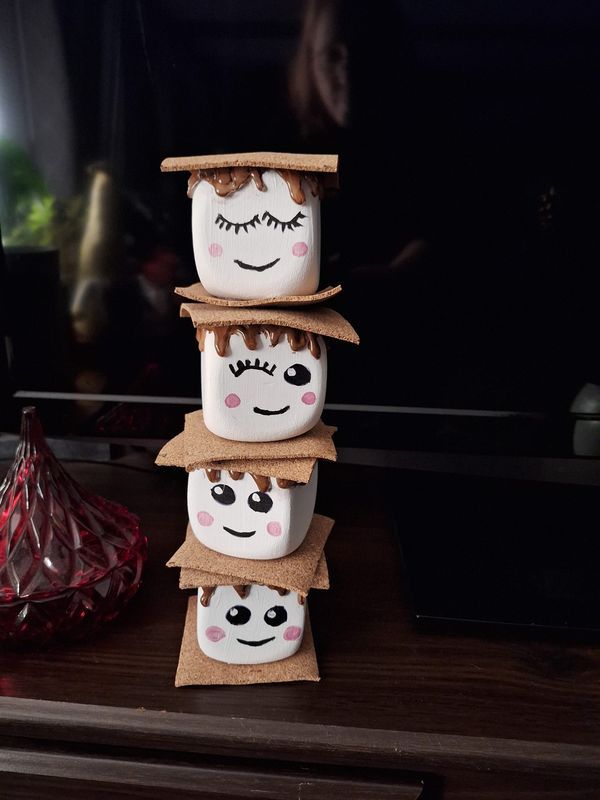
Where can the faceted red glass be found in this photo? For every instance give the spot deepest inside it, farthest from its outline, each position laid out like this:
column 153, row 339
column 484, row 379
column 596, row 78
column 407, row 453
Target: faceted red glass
column 69, row 560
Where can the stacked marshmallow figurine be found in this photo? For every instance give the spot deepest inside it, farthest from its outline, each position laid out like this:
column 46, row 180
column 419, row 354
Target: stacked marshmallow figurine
column 254, row 546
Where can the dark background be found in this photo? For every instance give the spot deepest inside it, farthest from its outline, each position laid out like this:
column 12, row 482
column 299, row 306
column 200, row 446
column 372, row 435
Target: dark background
column 465, row 231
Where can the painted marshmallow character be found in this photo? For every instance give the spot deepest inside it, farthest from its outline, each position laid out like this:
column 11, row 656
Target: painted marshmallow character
column 256, row 233
column 261, row 383
column 249, row 516
column 250, row 624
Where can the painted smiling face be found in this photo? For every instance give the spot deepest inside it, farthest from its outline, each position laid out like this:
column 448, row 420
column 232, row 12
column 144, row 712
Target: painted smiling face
column 265, row 394
column 260, row 627
column 238, row 517
column 254, row 244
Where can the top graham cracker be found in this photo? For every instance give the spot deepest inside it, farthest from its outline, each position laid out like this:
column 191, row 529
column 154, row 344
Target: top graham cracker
column 320, row 320
column 301, row 162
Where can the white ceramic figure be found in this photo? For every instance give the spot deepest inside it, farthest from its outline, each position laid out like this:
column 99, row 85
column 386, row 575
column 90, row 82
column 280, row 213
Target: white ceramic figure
column 245, row 517
column 264, row 394
column 254, row 244
column 261, row 626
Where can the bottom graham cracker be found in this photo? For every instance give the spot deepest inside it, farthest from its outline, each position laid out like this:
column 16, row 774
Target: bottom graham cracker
column 197, row 669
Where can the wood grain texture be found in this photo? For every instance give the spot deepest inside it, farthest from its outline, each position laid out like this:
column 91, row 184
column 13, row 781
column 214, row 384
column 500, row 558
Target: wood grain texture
column 389, row 697
column 199, row 780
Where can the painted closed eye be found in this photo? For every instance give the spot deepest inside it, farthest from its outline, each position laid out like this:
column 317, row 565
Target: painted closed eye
column 237, row 226
column 275, row 616
column 223, row 494
column 260, row 501
column 297, row 375
column 285, row 226
column 242, row 366
column 238, row 615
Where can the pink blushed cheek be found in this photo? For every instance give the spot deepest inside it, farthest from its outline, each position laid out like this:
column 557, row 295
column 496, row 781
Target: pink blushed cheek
column 215, row 250
column 204, row 518
column 215, row 634
column 274, row 529
column 232, row 401
column 309, row 398
column 292, row 633
column 299, row 249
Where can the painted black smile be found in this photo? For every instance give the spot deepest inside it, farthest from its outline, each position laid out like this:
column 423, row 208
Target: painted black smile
column 256, row 644
column 266, row 413
column 243, row 265
column 241, row 534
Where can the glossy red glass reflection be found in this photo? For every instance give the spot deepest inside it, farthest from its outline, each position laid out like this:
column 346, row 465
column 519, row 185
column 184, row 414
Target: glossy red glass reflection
column 69, row 560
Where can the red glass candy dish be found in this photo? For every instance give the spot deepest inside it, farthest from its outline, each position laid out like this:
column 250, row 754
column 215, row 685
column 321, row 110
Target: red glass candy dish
column 69, row 560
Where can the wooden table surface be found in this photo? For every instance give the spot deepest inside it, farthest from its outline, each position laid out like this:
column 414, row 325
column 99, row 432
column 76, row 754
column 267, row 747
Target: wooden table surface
column 462, row 716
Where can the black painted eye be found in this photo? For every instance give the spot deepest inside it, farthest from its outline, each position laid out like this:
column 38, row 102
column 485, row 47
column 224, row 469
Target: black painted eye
column 276, row 616
column 239, row 615
column 223, row 494
column 259, row 501
column 297, row 375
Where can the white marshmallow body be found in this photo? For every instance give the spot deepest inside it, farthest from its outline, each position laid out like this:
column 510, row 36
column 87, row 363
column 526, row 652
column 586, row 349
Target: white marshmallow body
column 265, row 626
column 277, row 398
column 233, row 517
column 255, row 244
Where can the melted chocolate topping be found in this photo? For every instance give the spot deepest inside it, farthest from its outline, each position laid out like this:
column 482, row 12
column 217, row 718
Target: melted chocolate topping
column 227, row 180
column 284, row 483
column 207, row 593
column 281, row 592
column 263, row 482
column 296, row 338
column 242, row 591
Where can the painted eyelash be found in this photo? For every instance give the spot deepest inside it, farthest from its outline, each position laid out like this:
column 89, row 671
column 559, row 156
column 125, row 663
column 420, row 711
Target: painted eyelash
column 285, row 226
column 238, row 226
column 242, row 366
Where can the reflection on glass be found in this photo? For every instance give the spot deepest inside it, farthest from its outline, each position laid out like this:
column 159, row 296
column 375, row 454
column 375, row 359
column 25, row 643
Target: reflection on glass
column 464, row 233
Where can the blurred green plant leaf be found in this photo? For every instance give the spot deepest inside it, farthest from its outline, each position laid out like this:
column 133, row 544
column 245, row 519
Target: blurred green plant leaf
column 27, row 209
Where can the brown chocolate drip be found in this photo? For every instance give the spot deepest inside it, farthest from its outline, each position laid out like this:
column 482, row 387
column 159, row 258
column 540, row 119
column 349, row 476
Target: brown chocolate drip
column 223, row 334
column 316, row 187
column 274, row 332
column 193, row 181
column 249, row 334
column 262, row 482
column 284, row 483
column 200, row 338
column 301, row 599
column 294, row 184
column 207, row 593
column 313, row 345
column 296, row 338
column 227, row 180
column 281, row 592
column 242, row 590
